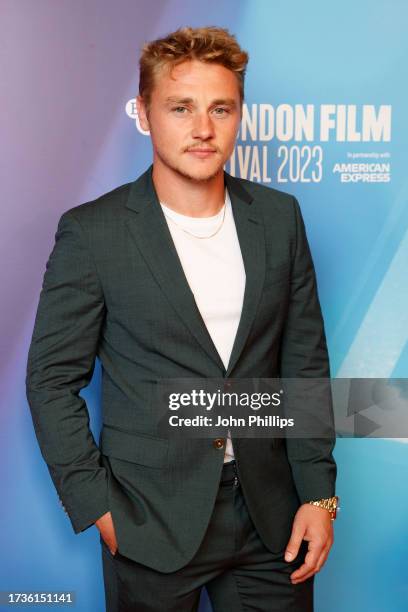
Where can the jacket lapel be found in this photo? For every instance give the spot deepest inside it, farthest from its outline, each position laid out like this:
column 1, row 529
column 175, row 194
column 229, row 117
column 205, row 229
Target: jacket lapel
column 153, row 238
column 251, row 235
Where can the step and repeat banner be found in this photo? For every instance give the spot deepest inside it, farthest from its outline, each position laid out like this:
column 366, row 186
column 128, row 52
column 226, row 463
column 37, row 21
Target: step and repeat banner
column 325, row 119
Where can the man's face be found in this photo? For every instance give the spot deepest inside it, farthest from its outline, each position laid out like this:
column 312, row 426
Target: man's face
column 193, row 119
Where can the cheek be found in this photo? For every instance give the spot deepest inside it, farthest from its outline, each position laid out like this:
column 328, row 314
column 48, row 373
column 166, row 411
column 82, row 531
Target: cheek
column 227, row 138
column 228, row 131
column 165, row 134
column 159, row 139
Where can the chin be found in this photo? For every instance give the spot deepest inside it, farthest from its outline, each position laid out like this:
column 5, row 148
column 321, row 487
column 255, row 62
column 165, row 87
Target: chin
column 200, row 174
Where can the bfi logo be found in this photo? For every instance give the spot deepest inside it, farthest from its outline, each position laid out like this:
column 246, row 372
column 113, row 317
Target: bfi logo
column 131, row 112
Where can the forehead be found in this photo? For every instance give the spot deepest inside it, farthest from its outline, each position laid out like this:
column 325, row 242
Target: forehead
column 194, row 75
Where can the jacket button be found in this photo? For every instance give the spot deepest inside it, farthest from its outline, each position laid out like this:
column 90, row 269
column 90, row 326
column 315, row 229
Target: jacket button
column 218, row 443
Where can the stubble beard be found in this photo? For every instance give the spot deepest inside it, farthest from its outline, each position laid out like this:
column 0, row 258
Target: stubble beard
column 181, row 171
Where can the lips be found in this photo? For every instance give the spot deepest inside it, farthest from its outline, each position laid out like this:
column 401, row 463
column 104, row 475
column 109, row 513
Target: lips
column 201, row 152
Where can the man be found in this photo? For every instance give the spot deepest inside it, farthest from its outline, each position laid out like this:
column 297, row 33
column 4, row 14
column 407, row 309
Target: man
column 186, row 272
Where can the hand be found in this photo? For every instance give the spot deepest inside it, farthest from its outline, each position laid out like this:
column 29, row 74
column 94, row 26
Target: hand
column 313, row 524
column 107, row 530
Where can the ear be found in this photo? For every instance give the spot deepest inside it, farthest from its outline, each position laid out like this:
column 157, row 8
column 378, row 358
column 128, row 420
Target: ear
column 142, row 113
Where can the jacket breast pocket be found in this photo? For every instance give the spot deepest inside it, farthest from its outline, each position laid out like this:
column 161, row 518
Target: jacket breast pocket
column 139, row 449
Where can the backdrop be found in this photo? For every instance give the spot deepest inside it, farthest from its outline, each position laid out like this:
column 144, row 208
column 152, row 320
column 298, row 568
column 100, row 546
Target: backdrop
column 326, row 120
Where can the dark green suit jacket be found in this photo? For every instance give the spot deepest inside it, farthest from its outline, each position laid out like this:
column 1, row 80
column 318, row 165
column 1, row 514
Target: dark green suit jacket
column 114, row 288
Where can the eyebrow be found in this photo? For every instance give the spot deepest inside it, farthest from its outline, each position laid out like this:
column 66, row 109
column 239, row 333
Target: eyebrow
column 227, row 101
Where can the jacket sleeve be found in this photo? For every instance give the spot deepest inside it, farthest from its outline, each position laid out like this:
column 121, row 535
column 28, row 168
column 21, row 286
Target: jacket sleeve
column 304, row 355
column 60, row 363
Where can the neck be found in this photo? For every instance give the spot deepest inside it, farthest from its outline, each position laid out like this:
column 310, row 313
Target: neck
column 188, row 196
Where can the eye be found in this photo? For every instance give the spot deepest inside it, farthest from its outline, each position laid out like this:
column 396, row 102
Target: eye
column 179, row 110
column 220, row 111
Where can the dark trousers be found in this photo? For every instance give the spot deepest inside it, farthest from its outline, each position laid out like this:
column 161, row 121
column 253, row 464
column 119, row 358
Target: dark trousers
column 238, row 571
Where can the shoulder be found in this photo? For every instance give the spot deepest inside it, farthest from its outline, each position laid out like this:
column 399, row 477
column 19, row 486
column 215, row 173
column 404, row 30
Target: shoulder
column 107, row 205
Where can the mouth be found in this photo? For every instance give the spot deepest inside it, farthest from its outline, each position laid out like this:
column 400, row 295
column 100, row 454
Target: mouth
column 202, row 152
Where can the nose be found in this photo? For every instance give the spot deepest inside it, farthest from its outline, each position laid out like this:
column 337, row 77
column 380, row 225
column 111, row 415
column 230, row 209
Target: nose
column 203, row 127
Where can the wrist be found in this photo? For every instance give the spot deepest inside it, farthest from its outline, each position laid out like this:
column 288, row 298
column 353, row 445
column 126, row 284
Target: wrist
column 331, row 504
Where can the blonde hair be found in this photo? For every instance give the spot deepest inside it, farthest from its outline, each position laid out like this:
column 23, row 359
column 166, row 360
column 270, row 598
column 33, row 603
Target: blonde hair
column 211, row 44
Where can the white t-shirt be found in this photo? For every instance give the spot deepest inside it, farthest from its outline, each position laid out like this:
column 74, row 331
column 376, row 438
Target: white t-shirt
column 215, row 272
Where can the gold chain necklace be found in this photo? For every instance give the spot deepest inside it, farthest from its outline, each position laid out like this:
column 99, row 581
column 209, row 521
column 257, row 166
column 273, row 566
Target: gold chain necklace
column 195, row 235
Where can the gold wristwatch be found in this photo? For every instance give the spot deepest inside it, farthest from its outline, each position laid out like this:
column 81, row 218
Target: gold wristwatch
column 331, row 504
